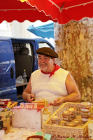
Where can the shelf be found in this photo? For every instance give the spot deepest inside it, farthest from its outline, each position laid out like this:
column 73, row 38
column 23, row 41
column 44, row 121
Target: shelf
column 21, row 84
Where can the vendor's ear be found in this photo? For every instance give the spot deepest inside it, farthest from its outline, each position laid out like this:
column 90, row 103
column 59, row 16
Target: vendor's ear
column 53, row 60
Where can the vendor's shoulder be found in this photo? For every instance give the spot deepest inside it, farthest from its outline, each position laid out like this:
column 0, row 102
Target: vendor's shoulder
column 64, row 70
column 36, row 72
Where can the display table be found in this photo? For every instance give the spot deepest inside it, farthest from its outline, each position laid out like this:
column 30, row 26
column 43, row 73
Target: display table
column 71, row 120
column 23, row 134
column 18, row 134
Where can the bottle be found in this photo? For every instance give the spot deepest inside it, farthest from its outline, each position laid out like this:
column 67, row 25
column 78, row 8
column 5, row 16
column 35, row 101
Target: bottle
column 24, row 76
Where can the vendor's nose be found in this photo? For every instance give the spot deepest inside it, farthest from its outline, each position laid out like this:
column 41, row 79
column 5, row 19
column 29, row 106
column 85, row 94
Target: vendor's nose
column 42, row 59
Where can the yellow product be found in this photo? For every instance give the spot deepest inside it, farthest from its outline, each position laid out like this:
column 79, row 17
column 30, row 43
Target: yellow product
column 5, row 114
column 45, row 111
column 78, row 117
column 55, row 120
column 45, row 115
column 71, row 109
column 85, row 106
column 85, row 114
column 6, row 124
column 10, row 105
column 66, row 116
column 62, row 123
column 42, row 101
column 77, row 122
column 71, row 124
column 91, row 112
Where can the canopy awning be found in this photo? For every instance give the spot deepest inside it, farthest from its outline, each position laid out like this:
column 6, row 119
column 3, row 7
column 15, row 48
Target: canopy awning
column 64, row 10
column 57, row 10
column 45, row 31
column 15, row 10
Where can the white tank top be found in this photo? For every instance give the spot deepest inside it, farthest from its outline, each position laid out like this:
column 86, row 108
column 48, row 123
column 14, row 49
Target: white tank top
column 49, row 88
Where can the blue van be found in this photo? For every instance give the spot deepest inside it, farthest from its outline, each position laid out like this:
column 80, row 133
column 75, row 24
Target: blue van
column 17, row 54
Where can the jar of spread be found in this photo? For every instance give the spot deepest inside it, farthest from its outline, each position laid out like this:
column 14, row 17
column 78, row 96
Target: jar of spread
column 55, row 120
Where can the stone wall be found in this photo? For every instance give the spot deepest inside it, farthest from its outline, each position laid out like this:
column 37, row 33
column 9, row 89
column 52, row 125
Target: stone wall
column 74, row 44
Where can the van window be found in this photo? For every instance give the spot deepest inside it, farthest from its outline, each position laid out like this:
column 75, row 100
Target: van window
column 23, row 58
column 43, row 44
column 29, row 48
column 18, row 47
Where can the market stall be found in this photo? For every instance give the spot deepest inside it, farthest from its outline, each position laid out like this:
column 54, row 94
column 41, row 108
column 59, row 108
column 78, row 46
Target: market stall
column 29, row 121
column 23, row 121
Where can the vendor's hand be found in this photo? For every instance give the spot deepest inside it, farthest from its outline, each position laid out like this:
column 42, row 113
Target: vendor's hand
column 58, row 101
column 30, row 97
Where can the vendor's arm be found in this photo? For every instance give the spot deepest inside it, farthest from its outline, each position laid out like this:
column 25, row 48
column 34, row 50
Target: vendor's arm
column 73, row 92
column 27, row 95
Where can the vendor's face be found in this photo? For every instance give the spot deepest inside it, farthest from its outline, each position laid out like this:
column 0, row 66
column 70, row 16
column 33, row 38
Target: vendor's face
column 45, row 63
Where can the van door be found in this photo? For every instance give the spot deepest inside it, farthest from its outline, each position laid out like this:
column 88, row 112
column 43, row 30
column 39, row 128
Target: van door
column 7, row 70
column 23, row 54
column 23, row 57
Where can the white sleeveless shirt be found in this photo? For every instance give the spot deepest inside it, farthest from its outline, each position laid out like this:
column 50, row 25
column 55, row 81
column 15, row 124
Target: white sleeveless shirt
column 49, row 88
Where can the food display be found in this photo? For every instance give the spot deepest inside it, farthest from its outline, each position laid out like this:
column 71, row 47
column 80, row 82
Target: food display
column 4, row 102
column 69, row 114
column 70, row 120
column 6, row 114
column 85, row 111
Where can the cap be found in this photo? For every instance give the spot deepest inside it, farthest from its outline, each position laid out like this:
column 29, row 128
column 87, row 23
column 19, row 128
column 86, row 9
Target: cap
column 47, row 51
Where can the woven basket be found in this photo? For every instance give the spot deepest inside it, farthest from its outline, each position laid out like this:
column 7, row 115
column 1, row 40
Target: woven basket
column 60, row 132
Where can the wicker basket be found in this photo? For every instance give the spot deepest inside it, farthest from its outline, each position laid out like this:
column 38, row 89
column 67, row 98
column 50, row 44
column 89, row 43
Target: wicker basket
column 60, row 132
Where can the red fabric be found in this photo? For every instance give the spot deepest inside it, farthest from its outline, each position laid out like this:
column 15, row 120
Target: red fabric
column 51, row 73
column 57, row 10
column 15, row 10
column 65, row 10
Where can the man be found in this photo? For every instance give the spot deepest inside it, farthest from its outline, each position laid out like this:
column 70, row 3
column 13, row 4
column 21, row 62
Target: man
column 51, row 82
